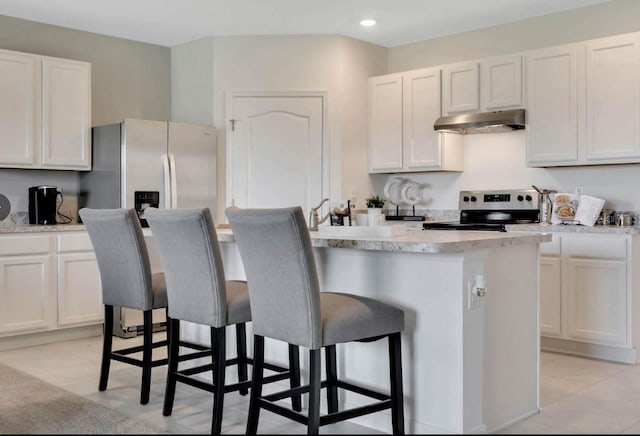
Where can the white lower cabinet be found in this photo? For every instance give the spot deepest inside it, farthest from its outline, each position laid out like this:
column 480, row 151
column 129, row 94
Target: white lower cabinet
column 48, row 282
column 586, row 295
column 79, row 288
column 26, row 286
column 596, row 300
column 550, row 296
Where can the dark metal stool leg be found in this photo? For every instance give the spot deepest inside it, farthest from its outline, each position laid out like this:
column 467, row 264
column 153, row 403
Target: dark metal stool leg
column 256, row 384
column 218, row 345
column 294, row 376
column 241, row 347
column 147, row 350
column 173, row 331
column 313, row 425
column 395, row 372
column 107, row 343
column 168, row 328
column 332, row 377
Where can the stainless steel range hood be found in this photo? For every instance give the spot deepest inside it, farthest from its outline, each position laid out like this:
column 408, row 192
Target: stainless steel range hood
column 483, row 122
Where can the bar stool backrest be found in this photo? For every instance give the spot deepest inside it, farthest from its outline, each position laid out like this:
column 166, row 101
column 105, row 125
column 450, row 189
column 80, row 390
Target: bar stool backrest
column 123, row 260
column 277, row 255
column 192, row 262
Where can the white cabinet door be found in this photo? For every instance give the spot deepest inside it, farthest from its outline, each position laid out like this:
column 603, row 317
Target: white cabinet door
column 66, row 114
column 596, row 300
column 19, row 108
column 421, row 108
column 25, row 293
column 423, row 147
column 461, row 88
column 552, row 101
column 550, row 304
column 613, row 98
column 501, row 80
column 79, row 289
column 385, row 123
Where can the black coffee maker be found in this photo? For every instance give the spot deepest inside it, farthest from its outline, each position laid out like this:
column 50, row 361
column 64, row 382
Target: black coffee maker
column 43, row 201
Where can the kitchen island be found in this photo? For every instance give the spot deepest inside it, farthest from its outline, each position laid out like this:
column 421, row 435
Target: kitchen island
column 470, row 362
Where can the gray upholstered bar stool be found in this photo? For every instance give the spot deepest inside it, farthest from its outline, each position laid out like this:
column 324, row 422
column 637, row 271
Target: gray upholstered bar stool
column 199, row 293
column 127, row 281
column 286, row 304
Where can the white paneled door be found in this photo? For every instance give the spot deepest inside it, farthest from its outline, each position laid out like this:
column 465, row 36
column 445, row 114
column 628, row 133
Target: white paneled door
column 275, row 151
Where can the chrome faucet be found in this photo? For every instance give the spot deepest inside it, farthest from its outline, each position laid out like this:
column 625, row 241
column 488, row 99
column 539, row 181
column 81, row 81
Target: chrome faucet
column 314, row 220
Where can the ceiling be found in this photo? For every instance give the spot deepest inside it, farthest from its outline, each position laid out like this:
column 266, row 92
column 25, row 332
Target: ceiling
column 173, row 22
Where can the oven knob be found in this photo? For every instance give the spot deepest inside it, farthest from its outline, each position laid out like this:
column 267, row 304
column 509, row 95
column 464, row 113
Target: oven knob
column 465, row 198
column 520, row 198
column 528, row 198
column 473, row 198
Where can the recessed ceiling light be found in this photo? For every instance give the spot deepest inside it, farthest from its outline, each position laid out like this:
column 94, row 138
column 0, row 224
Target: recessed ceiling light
column 367, row 22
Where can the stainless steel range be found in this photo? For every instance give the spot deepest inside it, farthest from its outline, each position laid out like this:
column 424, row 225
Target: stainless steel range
column 491, row 210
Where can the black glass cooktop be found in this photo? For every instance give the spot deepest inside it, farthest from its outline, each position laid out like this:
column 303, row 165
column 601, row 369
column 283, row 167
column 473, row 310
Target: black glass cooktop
column 495, row 227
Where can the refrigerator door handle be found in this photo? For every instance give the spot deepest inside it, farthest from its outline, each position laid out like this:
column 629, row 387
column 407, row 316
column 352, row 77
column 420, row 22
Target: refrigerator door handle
column 174, row 183
column 167, row 181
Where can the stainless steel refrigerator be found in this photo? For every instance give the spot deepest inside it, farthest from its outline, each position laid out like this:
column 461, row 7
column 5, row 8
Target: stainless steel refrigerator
column 144, row 163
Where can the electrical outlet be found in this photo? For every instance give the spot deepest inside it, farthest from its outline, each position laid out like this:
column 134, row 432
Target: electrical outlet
column 477, row 290
column 473, row 300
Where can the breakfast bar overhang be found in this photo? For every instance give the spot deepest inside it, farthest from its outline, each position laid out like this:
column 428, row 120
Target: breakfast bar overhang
column 471, row 361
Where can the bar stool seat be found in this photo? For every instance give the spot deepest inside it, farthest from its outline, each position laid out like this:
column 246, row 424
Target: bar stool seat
column 347, row 318
column 287, row 305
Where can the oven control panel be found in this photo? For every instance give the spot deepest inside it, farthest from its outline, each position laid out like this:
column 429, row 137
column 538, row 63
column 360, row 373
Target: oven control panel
column 522, row 199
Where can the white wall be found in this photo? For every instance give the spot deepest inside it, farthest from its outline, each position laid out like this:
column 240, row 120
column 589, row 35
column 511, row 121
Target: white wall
column 619, row 16
column 192, row 82
column 497, row 161
column 334, row 64
column 358, row 62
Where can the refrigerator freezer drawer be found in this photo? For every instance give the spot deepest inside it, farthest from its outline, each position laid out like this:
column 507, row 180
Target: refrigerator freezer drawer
column 127, row 323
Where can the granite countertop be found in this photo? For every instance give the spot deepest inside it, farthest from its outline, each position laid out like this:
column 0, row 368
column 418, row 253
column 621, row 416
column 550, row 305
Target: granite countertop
column 536, row 228
column 624, row 230
column 419, row 241
column 39, row 228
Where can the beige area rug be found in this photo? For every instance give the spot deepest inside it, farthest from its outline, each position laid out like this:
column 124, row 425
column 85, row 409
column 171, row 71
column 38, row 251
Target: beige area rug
column 31, row 405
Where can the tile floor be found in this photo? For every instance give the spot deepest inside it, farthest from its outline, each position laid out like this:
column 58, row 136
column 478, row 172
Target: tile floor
column 577, row 395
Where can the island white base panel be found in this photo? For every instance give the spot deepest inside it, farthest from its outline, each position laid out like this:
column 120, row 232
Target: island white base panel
column 586, row 349
column 464, row 370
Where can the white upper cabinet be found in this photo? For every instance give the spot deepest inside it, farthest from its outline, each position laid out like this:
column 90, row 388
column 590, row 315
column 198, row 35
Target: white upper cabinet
column 19, row 111
column 45, row 112
column 66, row 114
column 461, row 88
column 424, row 149
column 501, row 83
column 552, row 106
column 385, row 123
column 482, row 86
column 584, row 103
column 612, row 103
column 403, row 109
